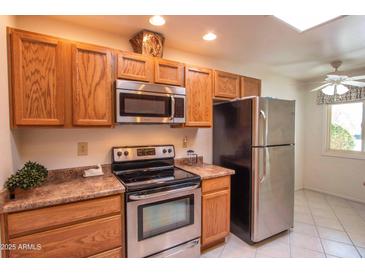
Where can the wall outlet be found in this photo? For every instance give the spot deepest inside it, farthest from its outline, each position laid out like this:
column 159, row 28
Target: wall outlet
column 82, row 148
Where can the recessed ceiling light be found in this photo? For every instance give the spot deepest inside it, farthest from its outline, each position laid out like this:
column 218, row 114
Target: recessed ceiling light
column 305, row 22
column 157, row 20
column 210, row 36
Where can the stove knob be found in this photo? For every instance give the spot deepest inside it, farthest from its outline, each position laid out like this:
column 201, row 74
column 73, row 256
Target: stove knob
column 170, row 150
column 119, row 153
column 164, row 150
column 126, row 153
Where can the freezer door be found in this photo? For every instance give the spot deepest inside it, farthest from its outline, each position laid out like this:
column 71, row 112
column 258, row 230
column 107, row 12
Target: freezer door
column 275, row 122
column 272, row 191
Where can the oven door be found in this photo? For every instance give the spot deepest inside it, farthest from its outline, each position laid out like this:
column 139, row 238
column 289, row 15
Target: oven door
column 162, row 219
column 144, row 107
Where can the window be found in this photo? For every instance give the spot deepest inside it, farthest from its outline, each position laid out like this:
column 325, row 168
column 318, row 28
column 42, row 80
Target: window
column 346, row 128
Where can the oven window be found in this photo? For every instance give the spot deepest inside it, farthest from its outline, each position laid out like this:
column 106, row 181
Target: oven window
column 164, row 216
column 144, row 105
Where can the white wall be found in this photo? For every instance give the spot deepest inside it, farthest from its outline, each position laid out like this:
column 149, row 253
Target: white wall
column 8, row 149
column 56, row 148
column 342, row 177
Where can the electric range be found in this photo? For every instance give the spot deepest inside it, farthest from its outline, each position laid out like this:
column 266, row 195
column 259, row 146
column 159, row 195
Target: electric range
column 163, row 202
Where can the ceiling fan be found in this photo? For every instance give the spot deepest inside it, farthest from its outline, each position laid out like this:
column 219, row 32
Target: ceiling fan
column 337, row 84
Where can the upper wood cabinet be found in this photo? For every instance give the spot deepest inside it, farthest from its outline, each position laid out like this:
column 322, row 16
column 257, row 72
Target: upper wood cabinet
column 38, row 91
column 226, row 85
column 169, row 72
column 215, row 210
column 91, row 85
column 199, row 91
column 134, row 66
column 250, row 86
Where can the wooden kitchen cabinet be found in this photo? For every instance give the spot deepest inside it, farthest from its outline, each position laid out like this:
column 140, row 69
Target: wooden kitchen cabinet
column 114, row 253
column 133, row 66
column 92, row 85
column 75, row 241
column 199, row 96
column 169, row 72
column 250, row 86
column 215, row 211
column 37, row 79
column 226, row 85
column 91, row 228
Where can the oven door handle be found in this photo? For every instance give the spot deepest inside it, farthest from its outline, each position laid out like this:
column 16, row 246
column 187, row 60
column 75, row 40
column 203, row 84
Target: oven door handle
column 163, row 193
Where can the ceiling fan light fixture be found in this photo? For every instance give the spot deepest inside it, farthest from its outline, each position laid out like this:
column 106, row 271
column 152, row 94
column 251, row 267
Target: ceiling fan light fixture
column 329, row 90
column 341, row 89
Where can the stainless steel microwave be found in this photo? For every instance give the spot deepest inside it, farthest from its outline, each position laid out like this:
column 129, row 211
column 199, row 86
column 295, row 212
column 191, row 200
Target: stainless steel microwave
column 138, row 102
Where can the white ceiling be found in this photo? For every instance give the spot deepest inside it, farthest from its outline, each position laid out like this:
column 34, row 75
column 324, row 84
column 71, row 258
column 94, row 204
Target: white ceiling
column 263, row 40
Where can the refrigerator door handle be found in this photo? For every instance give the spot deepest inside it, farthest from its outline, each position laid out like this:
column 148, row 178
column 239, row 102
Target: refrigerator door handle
column 262, row 178
column 264, row 131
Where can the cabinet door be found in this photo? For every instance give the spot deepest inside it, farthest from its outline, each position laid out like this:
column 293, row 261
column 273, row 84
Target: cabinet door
column 169, row 72
column 92, row 85
column 250, row 86
column 215, row 216
column 226, row 85
column 199, row 87
column 134, row 66
column 37, row 80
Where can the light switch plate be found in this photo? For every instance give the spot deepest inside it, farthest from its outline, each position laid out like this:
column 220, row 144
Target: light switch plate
column 82, row 148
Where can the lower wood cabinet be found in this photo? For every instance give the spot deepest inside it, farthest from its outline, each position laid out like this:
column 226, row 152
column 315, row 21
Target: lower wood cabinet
column 215, row 210
column 113, row 253
column 92, row 228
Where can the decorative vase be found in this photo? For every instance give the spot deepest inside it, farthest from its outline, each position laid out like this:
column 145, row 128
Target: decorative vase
column 148, row 42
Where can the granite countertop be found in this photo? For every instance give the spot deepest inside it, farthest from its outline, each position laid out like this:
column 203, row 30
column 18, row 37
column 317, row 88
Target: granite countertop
column 63, row 186
column 205, row 171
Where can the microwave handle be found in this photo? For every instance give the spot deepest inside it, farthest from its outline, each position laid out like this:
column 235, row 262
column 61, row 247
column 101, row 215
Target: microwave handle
column 172, row 107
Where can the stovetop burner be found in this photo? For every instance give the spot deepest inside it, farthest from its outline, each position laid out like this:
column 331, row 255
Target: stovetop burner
column 151, row 171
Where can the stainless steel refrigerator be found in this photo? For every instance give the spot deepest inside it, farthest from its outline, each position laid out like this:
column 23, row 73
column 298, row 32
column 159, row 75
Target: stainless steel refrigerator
column 255, row 137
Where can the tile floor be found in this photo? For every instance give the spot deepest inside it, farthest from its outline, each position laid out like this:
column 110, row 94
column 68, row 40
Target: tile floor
column 324, row 226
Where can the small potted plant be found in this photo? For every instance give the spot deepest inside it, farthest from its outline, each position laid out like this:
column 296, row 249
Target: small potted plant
column 29, row 176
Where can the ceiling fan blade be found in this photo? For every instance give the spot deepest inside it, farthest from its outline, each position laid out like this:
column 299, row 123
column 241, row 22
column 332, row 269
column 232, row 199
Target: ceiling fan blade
column 360, row 77
column 320, row 87
column 354, row 83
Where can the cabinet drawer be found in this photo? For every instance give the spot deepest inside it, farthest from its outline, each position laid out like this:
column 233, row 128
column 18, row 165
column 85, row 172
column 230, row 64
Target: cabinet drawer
column 114, row 253
column 76, row 241
column 49, row 217
column 215, row 184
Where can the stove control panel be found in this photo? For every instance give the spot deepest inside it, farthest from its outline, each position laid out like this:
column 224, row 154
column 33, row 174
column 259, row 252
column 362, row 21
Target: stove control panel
column 137, row 153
